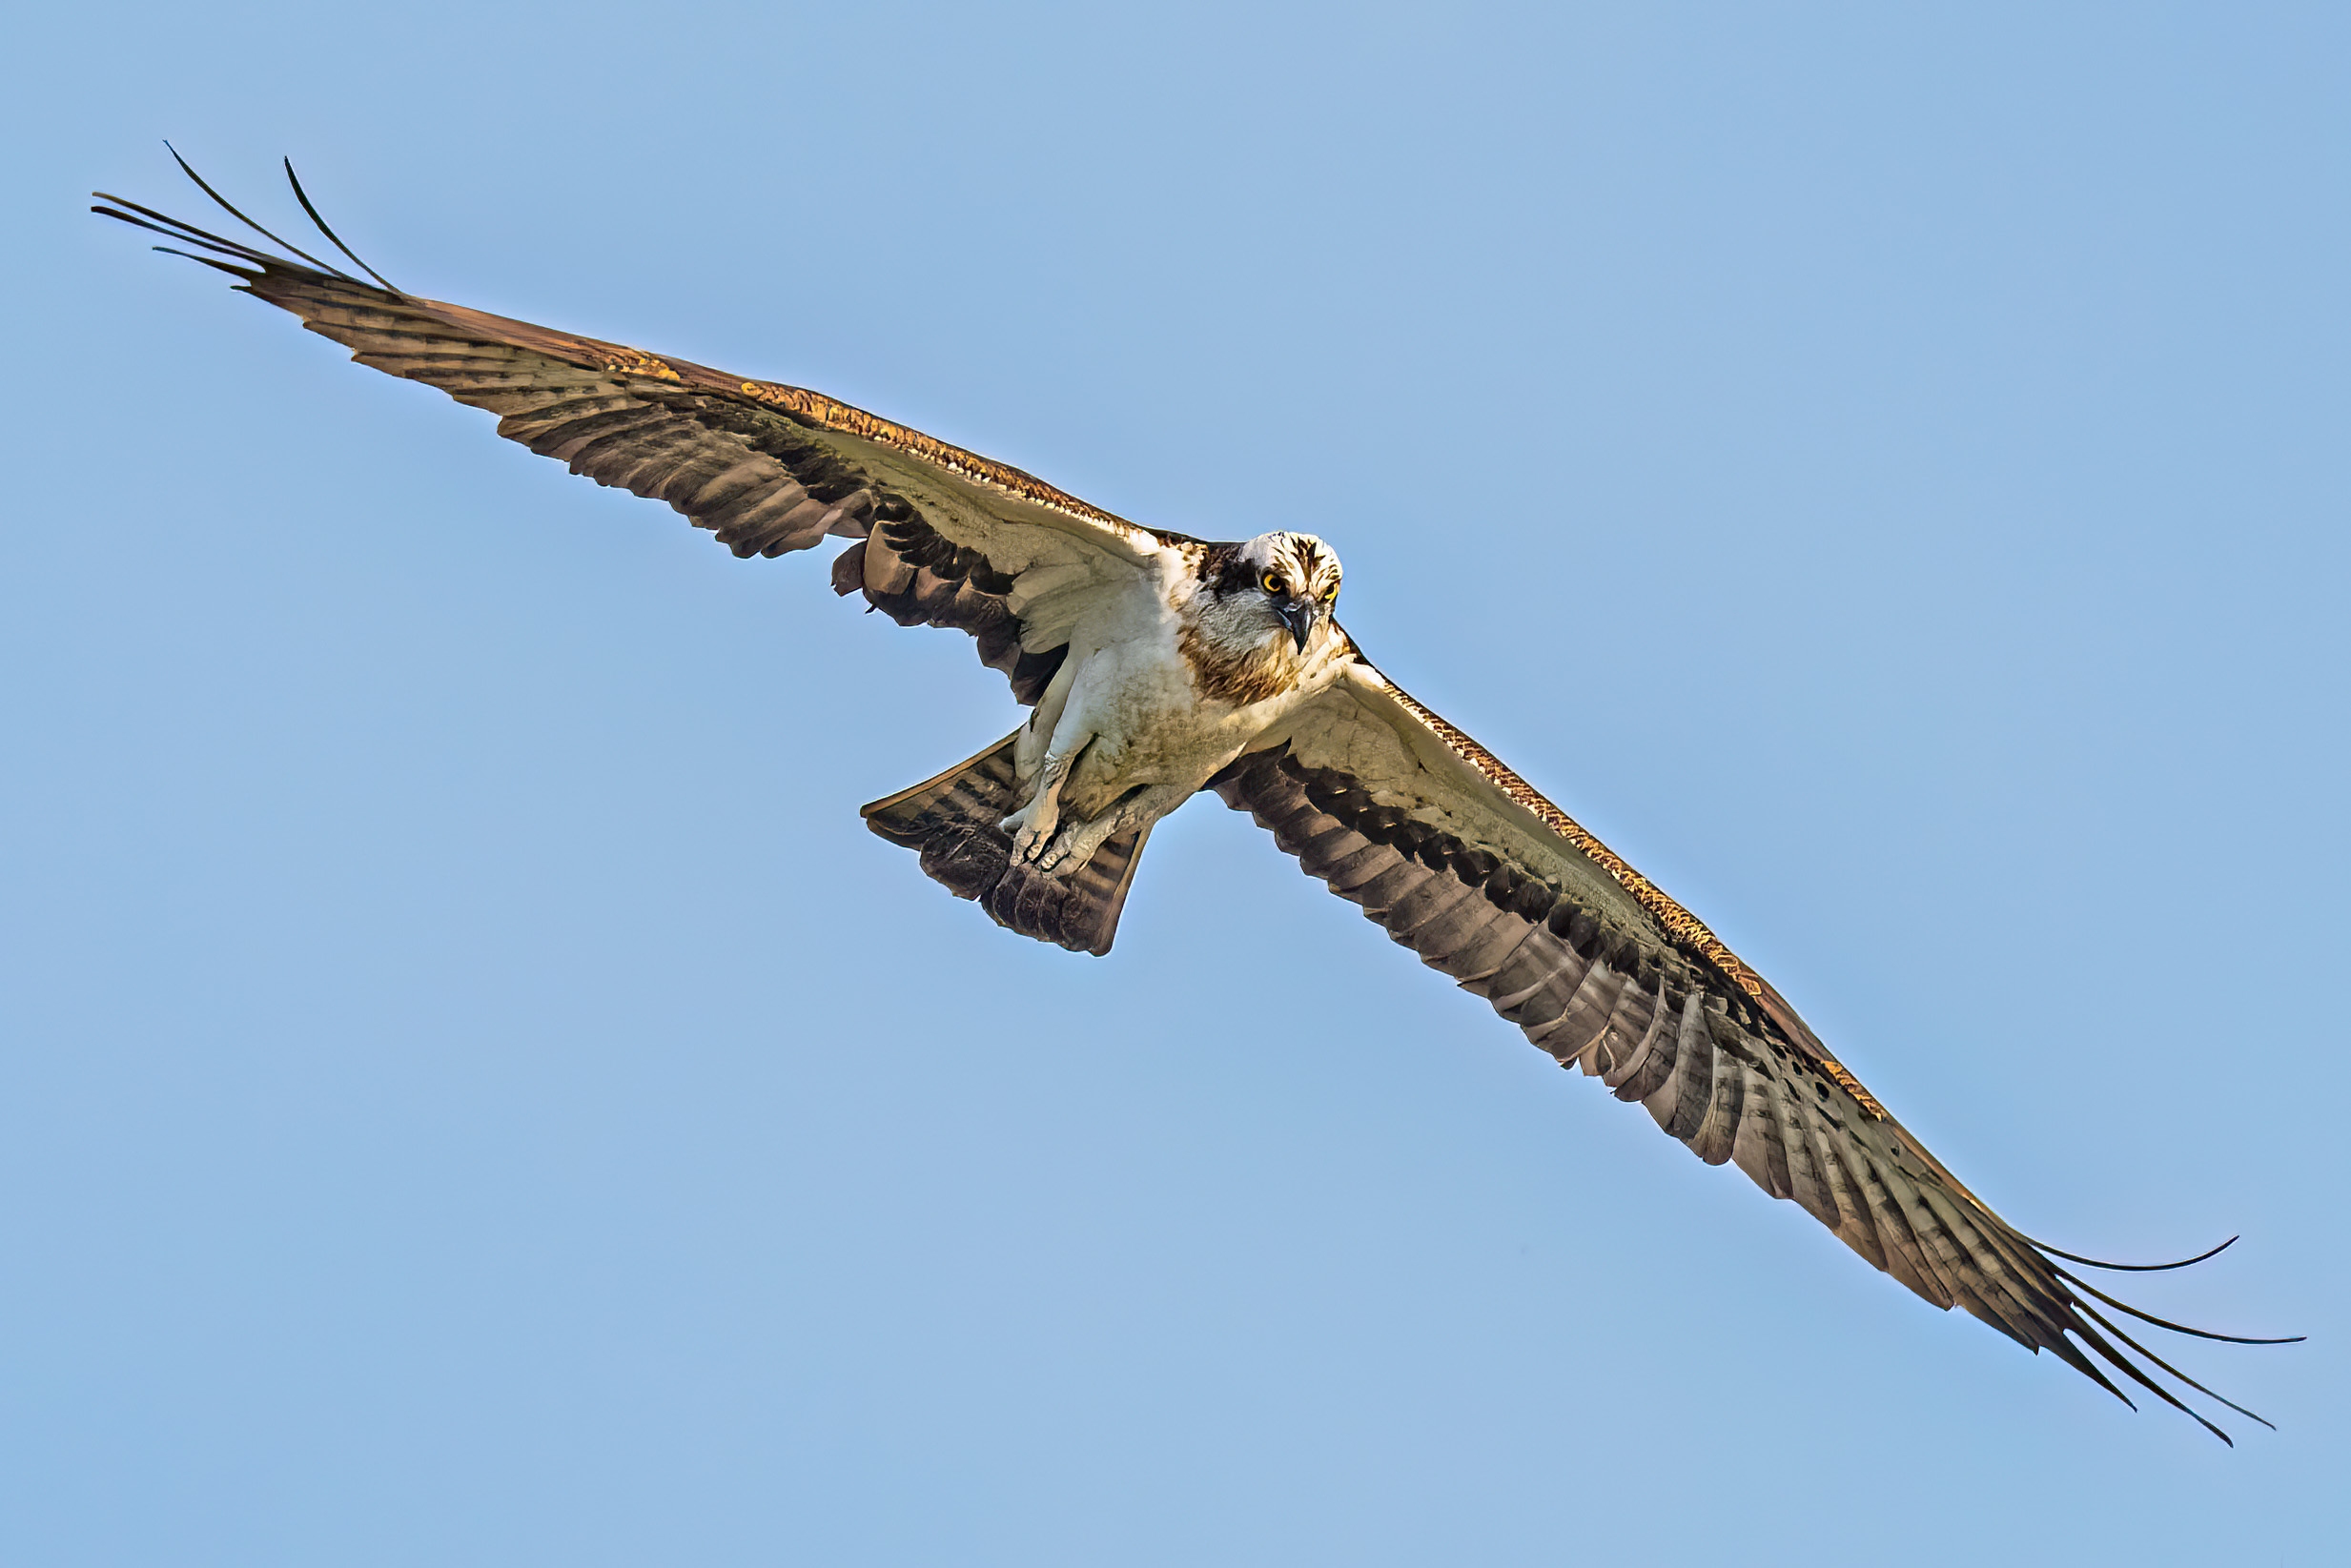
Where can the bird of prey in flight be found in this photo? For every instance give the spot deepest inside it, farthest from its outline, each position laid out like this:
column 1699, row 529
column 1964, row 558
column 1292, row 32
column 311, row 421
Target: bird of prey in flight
column 1156, row 665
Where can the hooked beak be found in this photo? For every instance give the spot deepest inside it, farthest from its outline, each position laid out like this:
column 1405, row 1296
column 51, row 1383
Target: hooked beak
column 1298, row 615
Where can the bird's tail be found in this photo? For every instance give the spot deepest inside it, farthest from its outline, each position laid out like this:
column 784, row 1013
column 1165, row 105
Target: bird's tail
column 953, row 821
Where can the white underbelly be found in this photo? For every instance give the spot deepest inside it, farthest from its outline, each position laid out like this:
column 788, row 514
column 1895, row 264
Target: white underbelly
column 1152, row 727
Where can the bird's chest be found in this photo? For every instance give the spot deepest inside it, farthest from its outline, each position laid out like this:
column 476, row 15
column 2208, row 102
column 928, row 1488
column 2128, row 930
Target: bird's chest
column 1153, row 724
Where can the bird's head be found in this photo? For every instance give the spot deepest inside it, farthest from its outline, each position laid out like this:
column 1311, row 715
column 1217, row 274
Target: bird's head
column 1281, row 582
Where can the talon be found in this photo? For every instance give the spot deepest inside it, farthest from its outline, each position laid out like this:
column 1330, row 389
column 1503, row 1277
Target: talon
column 1073, row 846
column 1029, row 835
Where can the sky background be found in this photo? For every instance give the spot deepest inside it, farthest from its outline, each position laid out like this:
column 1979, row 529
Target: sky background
column 472, row 1093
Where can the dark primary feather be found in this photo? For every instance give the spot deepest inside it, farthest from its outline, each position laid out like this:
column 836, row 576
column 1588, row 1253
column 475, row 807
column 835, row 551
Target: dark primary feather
column 223, row 203
column 2136, row 1268
column 303, row 197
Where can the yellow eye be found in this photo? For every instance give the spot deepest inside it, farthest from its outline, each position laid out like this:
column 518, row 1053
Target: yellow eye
column 1330, row 596
column 1271, row 583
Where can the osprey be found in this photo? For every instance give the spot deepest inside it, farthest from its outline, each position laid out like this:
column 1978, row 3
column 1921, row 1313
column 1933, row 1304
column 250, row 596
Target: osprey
column 1156, row 665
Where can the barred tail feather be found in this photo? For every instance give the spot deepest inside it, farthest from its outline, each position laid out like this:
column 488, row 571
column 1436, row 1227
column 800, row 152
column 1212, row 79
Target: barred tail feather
column 952, row 821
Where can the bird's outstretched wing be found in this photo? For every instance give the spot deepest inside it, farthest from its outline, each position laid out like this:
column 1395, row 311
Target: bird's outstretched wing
column 1462, row 862
column 948, row 537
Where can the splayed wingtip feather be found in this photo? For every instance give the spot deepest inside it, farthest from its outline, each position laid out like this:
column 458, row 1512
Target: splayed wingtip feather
column 225, row 206
column 303, row 197
column 2131, row 1268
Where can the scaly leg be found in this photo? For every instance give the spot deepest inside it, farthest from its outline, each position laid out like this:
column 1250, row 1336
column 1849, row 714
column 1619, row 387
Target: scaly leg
column 1075, row 846
column 1061, row 729
column 1036, row 736
column 1033, row 826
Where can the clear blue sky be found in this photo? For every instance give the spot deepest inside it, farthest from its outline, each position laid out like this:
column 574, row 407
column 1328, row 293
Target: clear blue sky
column 472, row 1093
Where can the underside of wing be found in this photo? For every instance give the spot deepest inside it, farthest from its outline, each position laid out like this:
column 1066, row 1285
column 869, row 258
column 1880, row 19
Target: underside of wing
column 946, row 537
column 1459, row 858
